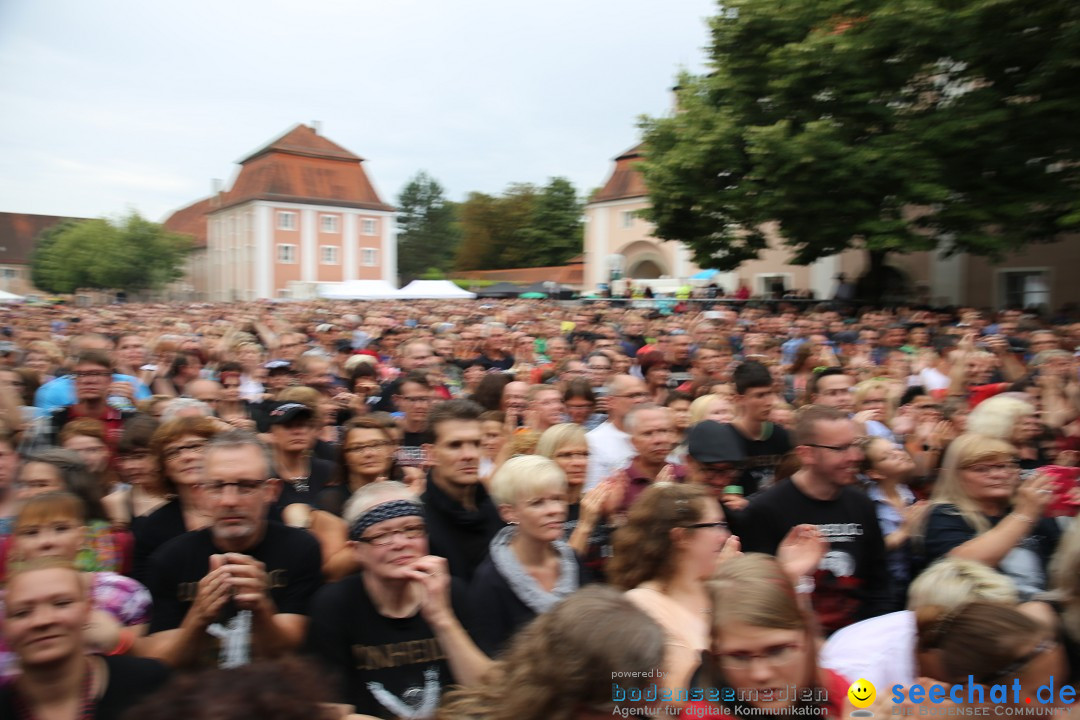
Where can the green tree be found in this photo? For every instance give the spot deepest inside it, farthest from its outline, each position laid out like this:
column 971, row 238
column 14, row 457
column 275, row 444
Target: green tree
column 889, row 125
column 524, row 227
column 429, row 233
column 131, row 254
column 555, row 232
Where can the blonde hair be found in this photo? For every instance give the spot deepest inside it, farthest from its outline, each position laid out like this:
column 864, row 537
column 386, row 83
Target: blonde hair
column 559, row 436
column 1065, row 579
column 701, row 407
column 301, row 394
column 966, row 450
column 526, row 476
column 997, row 417
column 950, row 582
column 868, row 386
column 373, row 494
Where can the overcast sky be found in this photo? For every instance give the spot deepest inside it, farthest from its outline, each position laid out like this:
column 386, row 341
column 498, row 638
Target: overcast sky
column 110, row 105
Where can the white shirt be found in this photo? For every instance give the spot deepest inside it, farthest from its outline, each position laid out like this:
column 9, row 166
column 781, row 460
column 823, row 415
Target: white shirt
column 881, row 650
column 610, row 449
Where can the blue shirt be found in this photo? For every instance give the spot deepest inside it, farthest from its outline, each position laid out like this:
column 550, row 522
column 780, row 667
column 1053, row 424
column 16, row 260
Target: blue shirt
column 60, row 392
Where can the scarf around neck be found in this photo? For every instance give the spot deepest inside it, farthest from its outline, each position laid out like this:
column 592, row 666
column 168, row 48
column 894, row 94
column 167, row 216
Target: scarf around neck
column 523, row 584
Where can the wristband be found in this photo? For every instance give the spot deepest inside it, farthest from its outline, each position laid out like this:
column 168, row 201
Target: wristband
column 805, row 585
column 124, row 642
column 1026, row 518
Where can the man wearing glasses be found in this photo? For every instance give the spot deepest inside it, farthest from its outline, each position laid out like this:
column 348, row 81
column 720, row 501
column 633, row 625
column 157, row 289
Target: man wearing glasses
column 93, row 375
column 240, row 588
column 610, row 448
column 852, row 580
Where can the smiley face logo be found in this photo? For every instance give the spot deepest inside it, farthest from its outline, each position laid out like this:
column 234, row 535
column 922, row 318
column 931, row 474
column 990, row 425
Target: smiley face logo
column 862, row 693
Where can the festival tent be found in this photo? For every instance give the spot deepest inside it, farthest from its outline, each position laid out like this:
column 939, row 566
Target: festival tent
column 6, row 297
column 358, row 290
column 434, row 290
column 500, row 290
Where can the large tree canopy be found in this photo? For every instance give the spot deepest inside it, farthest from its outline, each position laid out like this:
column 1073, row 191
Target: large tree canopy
column 429, row 235
column 526, row 227
column 132, row 254
column 890, row 125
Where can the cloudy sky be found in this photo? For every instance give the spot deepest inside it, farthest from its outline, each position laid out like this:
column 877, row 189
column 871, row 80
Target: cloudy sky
column 110, row 105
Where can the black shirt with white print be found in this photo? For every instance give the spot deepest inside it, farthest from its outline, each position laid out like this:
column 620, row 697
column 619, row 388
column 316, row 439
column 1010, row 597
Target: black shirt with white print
column 386, row 667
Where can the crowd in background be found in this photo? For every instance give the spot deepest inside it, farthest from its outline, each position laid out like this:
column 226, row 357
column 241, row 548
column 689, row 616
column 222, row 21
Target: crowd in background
column 531, row 509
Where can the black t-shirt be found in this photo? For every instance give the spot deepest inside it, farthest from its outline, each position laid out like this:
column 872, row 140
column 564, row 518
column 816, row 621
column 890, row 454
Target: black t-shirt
column 504, row 363
column 386, row 667
column 852, row 581
column 292, row 558
column 459, row 535
column 497, row 611
column 1025, row 564
column 309, row 492
column 151, row 532
column 130, row 680
column 762, row 457
column 411, row 451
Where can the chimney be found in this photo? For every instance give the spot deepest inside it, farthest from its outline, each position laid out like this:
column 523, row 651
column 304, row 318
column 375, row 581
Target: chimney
column 215, row 186
column 316, row 125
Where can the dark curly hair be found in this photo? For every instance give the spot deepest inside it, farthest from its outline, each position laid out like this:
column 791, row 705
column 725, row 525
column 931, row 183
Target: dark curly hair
column 643, row 549
column 281, row 690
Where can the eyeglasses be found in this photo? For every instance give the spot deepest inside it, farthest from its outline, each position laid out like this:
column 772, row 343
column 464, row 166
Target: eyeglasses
column 244, row 488
column 720, row 525
column 368, row 447
column 416, row 398
column 857, row 445
column 987, row 468
column 777, row 656
column 91, row 374
column 712, row 471
column 175, row 452
column 412, row 532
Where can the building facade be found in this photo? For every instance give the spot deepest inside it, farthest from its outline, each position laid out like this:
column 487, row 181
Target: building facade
column 300, row 212
column 616, row 235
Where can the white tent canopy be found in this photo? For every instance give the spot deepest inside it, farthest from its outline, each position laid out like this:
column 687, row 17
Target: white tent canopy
column 6, row 297
column 358, row 290
column 434, row 290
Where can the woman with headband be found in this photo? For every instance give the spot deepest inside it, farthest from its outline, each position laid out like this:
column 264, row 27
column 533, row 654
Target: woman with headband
column 391, row 633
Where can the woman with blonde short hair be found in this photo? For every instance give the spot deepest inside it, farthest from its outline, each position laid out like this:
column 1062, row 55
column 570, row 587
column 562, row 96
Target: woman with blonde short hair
column 529, row 567
column 1015, row 421
column 981, row 511
column 712, row 407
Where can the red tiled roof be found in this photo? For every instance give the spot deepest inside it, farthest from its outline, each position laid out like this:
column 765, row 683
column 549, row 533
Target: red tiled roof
column 304, row 167
column 191, row 220
column 18, row 231
column 570, row 274
column 303, row 140
column 625, row 181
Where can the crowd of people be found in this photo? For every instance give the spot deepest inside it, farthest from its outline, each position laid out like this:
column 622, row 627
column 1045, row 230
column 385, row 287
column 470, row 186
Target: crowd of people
column 531, row 509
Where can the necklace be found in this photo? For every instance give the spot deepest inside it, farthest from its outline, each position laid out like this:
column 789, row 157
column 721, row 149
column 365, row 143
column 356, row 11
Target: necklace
column 87, row 699
column 300, row 482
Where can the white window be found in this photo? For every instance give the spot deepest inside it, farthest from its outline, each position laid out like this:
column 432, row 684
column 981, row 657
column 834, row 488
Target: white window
column 328, row 254
column 368, row 227
column 369, row 257
column 1025, row 287
column 329, row 223
column 8, row 273
column 286, row 220
column 773, row 283
column 286, row 253
column 628, row 218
